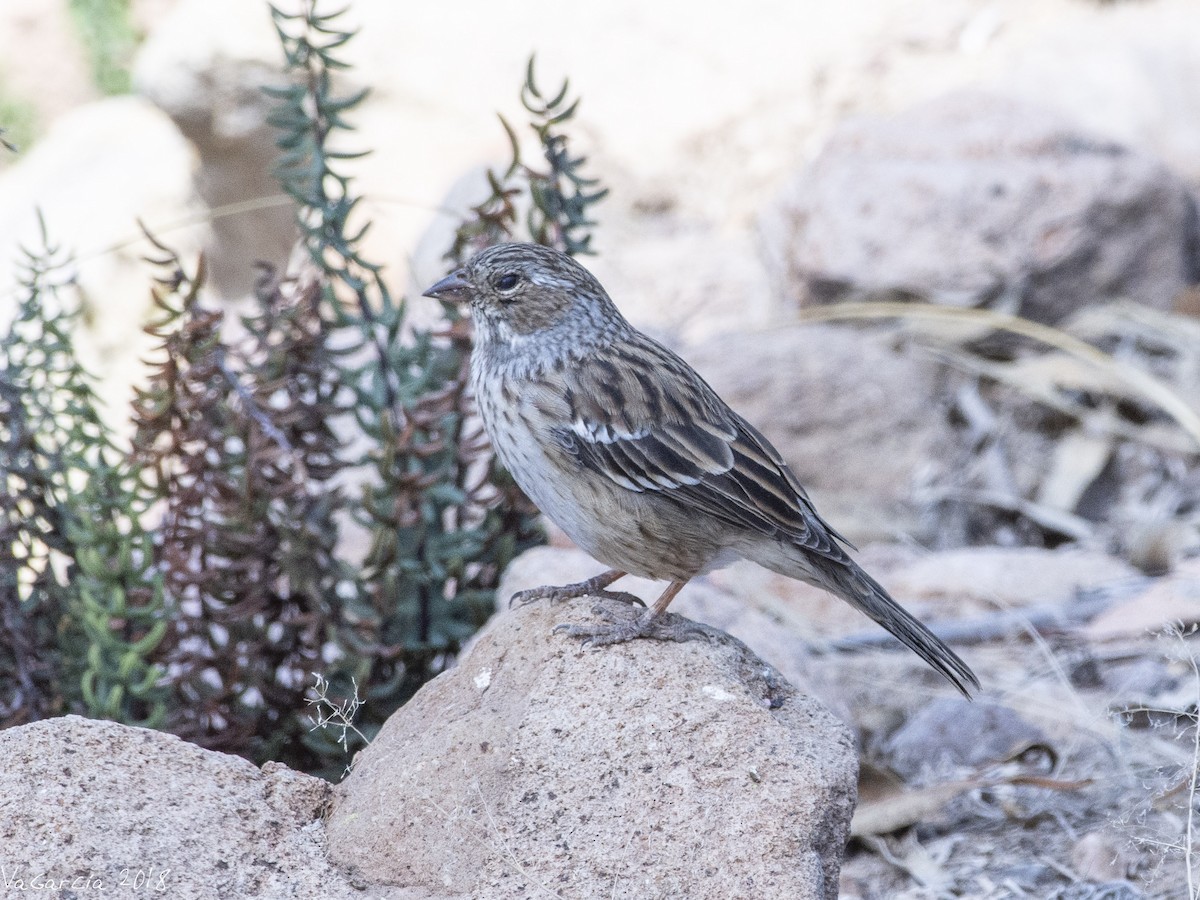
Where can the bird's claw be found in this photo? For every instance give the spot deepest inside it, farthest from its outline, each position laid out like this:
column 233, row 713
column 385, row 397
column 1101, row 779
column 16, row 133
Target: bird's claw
column 620, row 629
column 620, row 596
column 522, row 598
column 570, row 592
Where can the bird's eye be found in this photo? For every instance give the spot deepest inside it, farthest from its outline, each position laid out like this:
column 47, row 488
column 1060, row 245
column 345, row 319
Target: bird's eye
column 507, row 281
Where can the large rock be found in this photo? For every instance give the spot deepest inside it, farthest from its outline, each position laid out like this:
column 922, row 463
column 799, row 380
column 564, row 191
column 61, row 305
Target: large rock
column 975, row 199
column 652, row 769
column 676, row 233
column 205, row 66
column 979, row 579
column 950, row 734
column 98, row 809
column 99, row 171
column 1126, row 70
column 647, row 769
column 42, row 61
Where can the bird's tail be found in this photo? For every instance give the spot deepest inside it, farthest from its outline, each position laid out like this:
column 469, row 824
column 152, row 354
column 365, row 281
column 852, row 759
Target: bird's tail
column 848, row 580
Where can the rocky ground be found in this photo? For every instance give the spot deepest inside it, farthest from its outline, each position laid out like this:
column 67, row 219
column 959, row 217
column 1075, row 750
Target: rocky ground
column 780, row 180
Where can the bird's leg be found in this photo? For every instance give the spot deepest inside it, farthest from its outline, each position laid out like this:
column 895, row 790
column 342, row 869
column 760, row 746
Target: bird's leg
column 593, row 586
column 649, row 624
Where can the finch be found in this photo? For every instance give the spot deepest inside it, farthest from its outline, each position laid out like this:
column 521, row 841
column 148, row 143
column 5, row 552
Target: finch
column 627, row 449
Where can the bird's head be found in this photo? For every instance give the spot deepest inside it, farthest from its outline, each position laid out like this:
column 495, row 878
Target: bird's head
column 517, row 290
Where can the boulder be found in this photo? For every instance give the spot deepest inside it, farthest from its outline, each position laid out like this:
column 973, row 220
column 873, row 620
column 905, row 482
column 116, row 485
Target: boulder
column 951, row 734
column 93, row 808
column 1127, row 70
column 645, row 769
column 97, row 172
column 42, row 61
column 205, row 66
column 974, row 199
column 979, row 579
column 655, row 769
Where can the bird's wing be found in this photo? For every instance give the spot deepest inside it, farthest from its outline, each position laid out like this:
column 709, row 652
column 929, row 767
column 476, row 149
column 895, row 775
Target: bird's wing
column 650, row 423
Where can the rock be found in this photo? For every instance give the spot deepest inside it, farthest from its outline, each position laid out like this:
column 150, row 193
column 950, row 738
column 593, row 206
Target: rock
column 973, row 200
column 1129, row 73
column 1159, row 608
column 684, row 283
column 205, row 65
column 44, row 63
column 1135, row 683
column 93, row 808
column 952, row 733
column 988, row 578
column 856, row 420
column 99, row 170
column 646, row 769
column 675, row 237
column 1102, row 856
column 1109, row 890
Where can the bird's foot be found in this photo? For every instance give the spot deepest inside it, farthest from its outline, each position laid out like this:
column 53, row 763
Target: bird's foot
column 622, row 628
column 621, row 596
column 594, row 587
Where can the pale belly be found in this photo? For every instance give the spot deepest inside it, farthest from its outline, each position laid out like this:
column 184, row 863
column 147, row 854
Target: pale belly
column 640, row 533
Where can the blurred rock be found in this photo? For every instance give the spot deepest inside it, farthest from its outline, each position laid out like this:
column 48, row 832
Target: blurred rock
column 99, row 170
column 1109, row 890
column 1188, row 303
column 979, row 200
column 952, row 733
column 1101, row 856
column 1130, row 71
column 1164, row 604
column 1139, row 681
column 856, row 420
column 989, row 578
column 101, row 809
column 205, row 65
column 42, row 62
column 646, row 769
column 689, row 163
column 684, row 283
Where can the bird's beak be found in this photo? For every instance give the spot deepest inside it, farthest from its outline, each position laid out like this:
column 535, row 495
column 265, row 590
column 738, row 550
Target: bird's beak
column 453, row 287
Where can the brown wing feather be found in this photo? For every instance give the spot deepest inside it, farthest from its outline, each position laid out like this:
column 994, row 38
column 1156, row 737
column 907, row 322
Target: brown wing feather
column 654, row 425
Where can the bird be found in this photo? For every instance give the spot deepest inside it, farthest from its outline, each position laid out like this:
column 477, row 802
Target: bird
column 634, row 456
